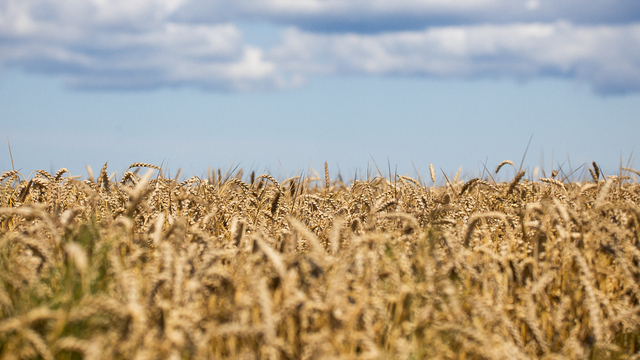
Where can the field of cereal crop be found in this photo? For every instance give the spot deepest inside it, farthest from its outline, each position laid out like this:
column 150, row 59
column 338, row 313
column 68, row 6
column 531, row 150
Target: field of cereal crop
column 242, row 266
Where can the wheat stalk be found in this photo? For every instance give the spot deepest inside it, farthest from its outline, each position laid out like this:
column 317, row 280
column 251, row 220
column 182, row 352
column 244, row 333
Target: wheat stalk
column 8, row 174
column 432, row 172
column 515, row 181
column 468, row 185
column 59, row 174
column 475, row 219
column 553, row 182
column 327, row 181
column 381, row 269
column 144, row 165
column 505, row 162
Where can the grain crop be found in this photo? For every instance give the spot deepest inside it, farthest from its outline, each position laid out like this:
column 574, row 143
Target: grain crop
column 223, row 267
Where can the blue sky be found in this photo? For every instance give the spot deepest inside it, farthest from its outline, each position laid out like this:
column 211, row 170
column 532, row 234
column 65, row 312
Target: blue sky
column 284, row 85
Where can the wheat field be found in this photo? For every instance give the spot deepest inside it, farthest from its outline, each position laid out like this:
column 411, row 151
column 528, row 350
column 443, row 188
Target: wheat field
column 241, row 266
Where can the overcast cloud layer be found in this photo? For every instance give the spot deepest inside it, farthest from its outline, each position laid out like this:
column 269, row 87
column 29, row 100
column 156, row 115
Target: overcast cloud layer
column 147, row 44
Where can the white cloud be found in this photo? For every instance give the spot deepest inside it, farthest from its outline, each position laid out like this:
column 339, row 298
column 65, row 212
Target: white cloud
column 608, row 57
column 532, row 4
column 388, row 15
column 154, row 43
column 126, row 44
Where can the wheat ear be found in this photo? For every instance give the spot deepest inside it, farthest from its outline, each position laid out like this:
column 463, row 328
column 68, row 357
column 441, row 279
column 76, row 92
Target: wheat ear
column 553, row 181
column 327, row 182
column 146, row 165
column 432, row 172
column 515, row 181
column 475, row 219
column 505, row 162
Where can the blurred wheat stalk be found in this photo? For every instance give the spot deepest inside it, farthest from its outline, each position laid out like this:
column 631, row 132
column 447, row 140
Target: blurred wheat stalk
column 148, row 267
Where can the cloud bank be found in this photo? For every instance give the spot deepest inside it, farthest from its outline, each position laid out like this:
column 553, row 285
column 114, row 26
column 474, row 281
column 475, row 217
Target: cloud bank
column 148, row 44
